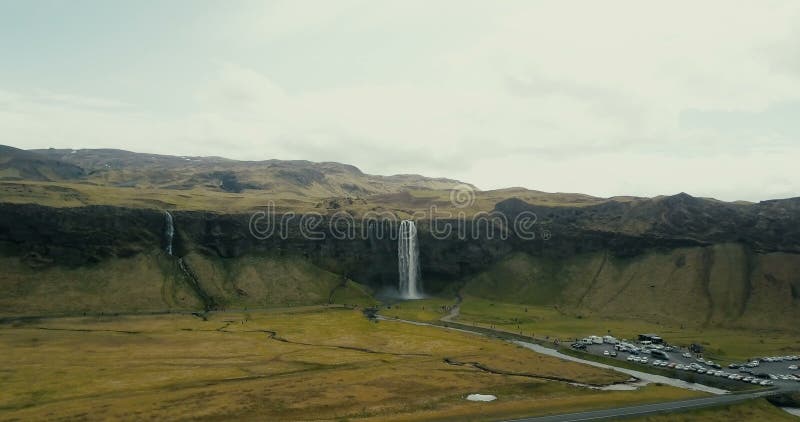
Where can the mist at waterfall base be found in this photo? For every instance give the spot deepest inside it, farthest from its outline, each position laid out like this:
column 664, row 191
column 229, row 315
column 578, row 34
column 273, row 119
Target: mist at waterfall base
column 409, row 285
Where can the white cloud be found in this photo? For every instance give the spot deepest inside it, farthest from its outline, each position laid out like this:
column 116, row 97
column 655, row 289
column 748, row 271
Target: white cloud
column 566, row 96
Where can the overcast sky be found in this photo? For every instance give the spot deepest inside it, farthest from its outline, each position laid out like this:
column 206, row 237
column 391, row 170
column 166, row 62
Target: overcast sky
column 605, row 98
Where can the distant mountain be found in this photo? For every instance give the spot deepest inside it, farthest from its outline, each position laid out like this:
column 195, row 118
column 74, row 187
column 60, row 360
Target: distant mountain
column 70, row 178
column 17, row 164
column 297, row 177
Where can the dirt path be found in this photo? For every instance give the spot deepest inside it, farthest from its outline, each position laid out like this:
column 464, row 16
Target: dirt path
column 454, row 311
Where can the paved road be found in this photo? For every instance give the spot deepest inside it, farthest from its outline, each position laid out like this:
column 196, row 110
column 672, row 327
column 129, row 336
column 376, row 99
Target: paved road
column 646, row 409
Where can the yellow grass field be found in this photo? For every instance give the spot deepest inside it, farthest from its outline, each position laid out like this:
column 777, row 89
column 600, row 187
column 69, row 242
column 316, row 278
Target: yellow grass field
column 305, row 363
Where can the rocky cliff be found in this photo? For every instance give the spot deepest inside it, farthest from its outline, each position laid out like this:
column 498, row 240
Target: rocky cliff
column 723, row 263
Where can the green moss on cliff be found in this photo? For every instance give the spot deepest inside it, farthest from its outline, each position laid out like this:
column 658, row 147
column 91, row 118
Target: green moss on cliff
column 722, row 285
column 143, row 283
column 262, row 281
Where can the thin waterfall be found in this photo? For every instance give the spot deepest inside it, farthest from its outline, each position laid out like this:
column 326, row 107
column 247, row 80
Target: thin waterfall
column 194, row 283
column 170, row 232
column 408, row 260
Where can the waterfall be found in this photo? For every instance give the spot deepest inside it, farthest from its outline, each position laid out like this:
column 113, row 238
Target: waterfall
column 194, row 283
column 170, row 232
column 408, row 260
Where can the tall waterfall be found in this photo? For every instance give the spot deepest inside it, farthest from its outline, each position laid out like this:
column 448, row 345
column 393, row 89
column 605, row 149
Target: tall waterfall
column 170, row 232
column 408, row 259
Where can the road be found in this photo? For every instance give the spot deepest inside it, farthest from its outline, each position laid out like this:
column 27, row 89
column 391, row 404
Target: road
column 647, row 409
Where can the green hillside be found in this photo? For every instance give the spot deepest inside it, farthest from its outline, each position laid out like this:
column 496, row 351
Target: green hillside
column 722, row 285
column 154, row 282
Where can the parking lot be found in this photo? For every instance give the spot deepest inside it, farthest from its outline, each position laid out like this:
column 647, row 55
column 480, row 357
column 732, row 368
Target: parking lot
column 686, row 365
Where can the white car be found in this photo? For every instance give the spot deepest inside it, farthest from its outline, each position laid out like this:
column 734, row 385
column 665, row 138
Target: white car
column 793, row 367
column 687, row 355
column 605, row 353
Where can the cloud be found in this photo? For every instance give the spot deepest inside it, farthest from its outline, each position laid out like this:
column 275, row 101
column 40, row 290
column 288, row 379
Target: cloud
column 603, row 98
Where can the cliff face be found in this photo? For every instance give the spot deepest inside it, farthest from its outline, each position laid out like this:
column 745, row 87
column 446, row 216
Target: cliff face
column 733, row 262
column 628, row 227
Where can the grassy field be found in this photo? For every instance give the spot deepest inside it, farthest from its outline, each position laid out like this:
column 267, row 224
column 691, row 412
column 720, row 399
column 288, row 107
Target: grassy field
column 302, row 363
column 725, row 345
column 425, row 310
column 751, row 411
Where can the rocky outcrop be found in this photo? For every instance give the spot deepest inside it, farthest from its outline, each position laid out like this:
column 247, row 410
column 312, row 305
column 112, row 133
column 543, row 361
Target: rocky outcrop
column 78, row 236
column 627, row 228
